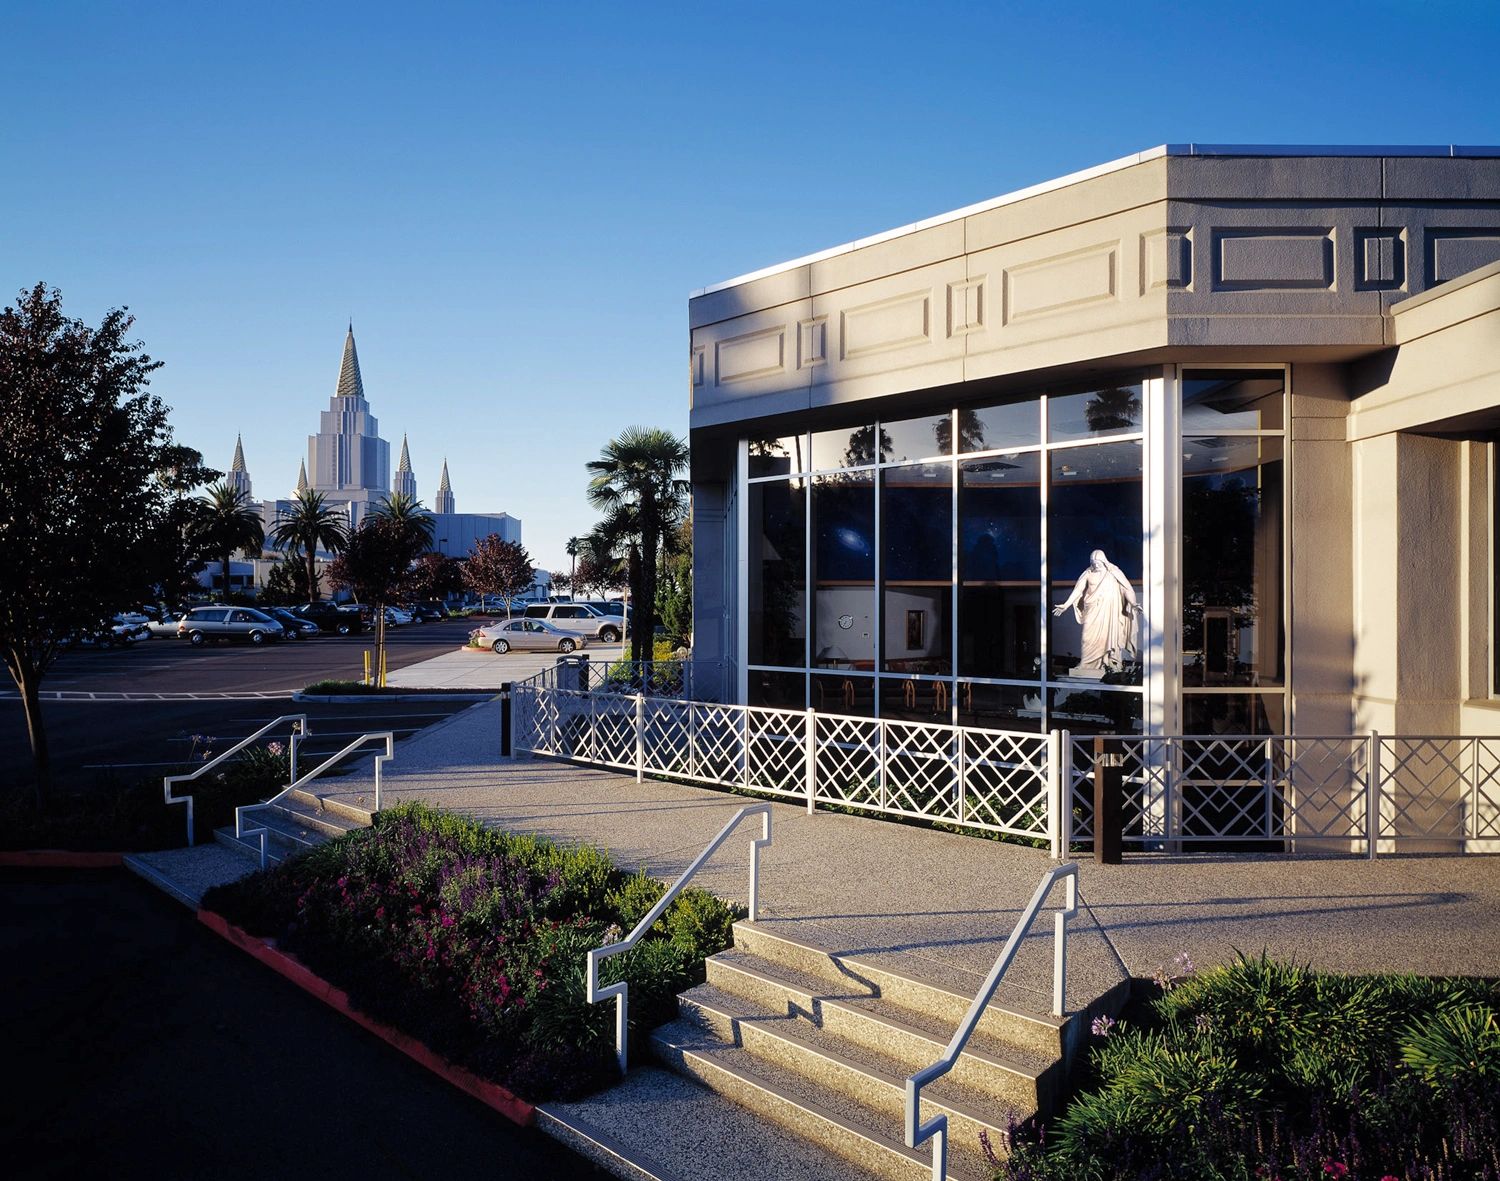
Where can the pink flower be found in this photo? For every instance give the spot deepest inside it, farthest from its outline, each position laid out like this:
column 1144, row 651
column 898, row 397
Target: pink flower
column 447, row 920
column 1336, row 1168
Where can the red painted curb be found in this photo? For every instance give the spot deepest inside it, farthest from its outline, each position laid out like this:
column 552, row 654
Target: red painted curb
column 490, row 1094
column 60, row 859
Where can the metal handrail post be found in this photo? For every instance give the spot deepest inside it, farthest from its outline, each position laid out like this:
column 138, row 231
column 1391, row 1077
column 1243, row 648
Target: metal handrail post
column 937, row 1128
column 810, row 757
column 299, row 724
column 1065, row 777
column 640, row 737
column 620, row 990
column 1372, row 795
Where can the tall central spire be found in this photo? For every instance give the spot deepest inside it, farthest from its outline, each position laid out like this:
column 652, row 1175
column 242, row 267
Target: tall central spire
column 350, row 385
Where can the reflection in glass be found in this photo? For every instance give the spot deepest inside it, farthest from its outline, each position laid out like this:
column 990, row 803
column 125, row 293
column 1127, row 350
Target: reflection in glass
column 778, row 690
column 1000, row 707
column 854, row 695
column 778, row 551
column 843, row 572
column 1000, row 513
column 777, row 457
column 1233, row 630
column 916, row 529
column 1094, row 503
column 994, row 428
column 1232, row 400
column 1095, row 711
column 857, row 446
column 914, row 699
column 1233, row 713
column 919, row 438
column 1112, row 411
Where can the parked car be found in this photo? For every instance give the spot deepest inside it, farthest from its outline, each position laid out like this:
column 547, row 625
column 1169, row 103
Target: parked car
column 295, row 627
column 203, row 624
column 130, row 625
column 429, row 609
column 579, row 619
column 331, row 618
column 395, row 617
column 166, row 626
column 526, row 635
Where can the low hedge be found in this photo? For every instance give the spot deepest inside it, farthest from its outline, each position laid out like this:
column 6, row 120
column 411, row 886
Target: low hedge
column 474, row 940
column 1261, row 1069
column 131, row 815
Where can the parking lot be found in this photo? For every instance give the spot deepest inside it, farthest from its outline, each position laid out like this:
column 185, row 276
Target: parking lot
column 133, row 712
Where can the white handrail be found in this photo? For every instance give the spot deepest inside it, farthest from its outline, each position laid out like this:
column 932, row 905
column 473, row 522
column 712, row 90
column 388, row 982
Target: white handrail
column 241, row 832
column 299, row 730
column 937, row 1127
column 620, row 989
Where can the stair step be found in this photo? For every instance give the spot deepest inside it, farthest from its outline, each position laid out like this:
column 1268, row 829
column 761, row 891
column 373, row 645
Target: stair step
column 1004, row 1025
column 875, row 1077
column 658, row 1126
column 337, row 807
column 311, row 816
column 828, row 1118
column 279, row 846
column 1019, row 1076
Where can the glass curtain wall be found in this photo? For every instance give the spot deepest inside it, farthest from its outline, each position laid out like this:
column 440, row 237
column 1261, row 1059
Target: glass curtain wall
column 1233, row 638
column 980, row 566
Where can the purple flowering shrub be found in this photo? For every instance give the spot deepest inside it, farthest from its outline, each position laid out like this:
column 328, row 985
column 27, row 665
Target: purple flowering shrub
column 473, row 941
column 1260, row 1069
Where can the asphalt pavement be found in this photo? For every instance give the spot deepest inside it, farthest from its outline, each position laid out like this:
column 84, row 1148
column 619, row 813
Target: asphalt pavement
column 145, row 1046
column 111, row 722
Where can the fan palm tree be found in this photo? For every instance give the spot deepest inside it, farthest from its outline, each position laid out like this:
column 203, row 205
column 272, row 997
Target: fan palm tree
column 230, row 523
column 571, row 549
column 410, row 517
column 635, row 484
column 310, row 526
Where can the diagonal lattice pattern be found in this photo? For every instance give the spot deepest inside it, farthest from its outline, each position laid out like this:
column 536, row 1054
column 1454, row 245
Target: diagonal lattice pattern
column 1005, row 782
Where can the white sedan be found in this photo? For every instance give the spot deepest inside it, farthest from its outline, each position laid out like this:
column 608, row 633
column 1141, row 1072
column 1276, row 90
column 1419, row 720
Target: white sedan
column 526, row 635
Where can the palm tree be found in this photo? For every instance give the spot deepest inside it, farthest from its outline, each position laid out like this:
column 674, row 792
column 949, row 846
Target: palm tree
column 410, row 517
column 230, row 522
column 571, row 549
column 311, row 525
column 635, row 483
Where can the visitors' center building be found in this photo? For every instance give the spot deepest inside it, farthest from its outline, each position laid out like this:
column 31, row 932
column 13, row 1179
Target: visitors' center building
column 1197, row 441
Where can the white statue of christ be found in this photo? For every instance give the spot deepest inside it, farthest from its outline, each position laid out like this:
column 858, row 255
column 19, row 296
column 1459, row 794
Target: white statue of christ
column 1103, row 601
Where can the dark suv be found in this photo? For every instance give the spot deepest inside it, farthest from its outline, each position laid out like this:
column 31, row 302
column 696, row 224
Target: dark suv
column 331, row 619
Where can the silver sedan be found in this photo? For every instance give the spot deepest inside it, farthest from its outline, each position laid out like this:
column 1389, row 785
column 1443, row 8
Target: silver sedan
column 527, row 635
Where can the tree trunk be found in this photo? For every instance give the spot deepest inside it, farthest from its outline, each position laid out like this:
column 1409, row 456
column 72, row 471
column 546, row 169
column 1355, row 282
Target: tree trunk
column 379, row 644
column 224, row 572
column 637, row 652
column 312, row 574
column 29, row 682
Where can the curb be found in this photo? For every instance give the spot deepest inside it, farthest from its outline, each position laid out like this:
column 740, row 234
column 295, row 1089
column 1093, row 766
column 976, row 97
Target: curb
column 362, row 698
column 59, row 859
column 492, row 1095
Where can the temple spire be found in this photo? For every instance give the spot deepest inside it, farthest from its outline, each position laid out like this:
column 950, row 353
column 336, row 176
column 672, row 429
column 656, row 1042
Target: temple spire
column 405, row 480
column 239, row 476
column 350, row 384
column 405, row 464
column 238, row 463
column 443, row 502
column 301, row 477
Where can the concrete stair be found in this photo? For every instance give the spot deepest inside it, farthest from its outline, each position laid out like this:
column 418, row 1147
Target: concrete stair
column 822, row 1045
column 297, row 822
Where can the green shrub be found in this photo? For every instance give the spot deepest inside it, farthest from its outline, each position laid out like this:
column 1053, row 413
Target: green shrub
column 633, row 899
column 697, row 921
column 1456, row 1049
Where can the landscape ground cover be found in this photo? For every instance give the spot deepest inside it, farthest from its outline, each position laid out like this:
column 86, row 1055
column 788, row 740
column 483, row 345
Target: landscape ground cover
column 474, row 941
column 1261, row 1069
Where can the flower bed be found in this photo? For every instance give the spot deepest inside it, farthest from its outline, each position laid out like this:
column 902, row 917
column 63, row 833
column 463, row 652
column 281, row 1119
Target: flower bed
column 473, row 941
column 1262, row 1070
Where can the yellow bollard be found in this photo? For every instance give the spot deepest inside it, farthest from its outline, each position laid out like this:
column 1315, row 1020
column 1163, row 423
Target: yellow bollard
column 366, row 679
column 382, row 669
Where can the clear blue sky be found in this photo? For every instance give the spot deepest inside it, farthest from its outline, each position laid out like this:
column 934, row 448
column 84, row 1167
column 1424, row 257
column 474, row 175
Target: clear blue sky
column 513, row 200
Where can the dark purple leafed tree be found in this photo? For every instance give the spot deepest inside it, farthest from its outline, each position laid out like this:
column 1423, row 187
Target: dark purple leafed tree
column 499, row 569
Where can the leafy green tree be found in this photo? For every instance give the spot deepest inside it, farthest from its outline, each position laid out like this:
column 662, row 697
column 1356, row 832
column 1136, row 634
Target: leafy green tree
column 286, row 584
column 230, row 524
column 635, row 483
column 500, row 569
column 175, row 552
column 375, row 562
column 309, row 526
column 572, row 549
column 82, row 444
column 674, row 598
column 433, row 576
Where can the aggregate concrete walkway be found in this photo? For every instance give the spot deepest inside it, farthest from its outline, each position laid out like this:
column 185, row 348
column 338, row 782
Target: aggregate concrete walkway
column 944, row 903
column 477, row 669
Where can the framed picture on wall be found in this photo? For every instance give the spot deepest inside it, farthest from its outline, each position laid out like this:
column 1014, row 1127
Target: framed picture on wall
column 916, row 630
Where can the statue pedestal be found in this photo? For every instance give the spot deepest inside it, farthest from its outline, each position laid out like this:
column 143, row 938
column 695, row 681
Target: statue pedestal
column 1079, row 673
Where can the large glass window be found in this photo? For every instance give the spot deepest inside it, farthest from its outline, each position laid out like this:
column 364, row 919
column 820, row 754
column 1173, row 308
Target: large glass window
column 843, row 571
column 778, row 566
column 1094, row 560
column 918, row 438
column 999, row 565
column 1232, row 630
column 1216, row 400
column 997, row 428
column 916, row 529
column 1113, row 410
column 777, row 456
